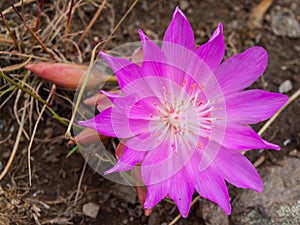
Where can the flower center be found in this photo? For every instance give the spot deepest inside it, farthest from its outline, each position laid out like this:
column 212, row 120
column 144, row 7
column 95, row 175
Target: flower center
column 174, row 120
column 184, row 117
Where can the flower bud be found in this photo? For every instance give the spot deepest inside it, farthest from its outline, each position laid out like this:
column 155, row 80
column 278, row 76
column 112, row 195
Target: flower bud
column 66, row 75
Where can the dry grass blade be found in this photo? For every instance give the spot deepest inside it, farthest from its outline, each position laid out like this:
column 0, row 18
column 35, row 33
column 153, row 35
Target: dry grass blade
column 38, row 20
column 6, row 40
column 15, row 66
column 16, row 145
column 34, row 131
column 120, row 22
column 80, row 182
column 23, row 55
column 20, row 3
column 260, row 132
column 10, row 32
column 4, row 76
column 36, row 96
column 33, row 33
column 69, row 17
column 97, row 14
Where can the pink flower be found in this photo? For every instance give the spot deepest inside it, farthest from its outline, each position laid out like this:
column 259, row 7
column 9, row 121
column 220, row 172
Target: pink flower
column 183, row 115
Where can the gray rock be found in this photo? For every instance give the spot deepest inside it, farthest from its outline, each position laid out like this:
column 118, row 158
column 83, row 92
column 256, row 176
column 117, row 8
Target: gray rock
column 285, row 87
column 154, row 219
column 91, row 209
column 279, row 203
column 284, row 22
column 211, row 213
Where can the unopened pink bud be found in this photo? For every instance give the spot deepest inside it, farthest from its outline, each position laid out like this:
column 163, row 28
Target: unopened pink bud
column 67, row 75
column 88, row 136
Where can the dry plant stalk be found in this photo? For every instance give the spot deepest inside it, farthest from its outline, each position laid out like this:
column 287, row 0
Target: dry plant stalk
column 258, row 12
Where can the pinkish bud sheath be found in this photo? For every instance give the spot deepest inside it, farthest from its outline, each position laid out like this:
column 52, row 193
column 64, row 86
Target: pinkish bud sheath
column 138, row 56
column 66, row 75
column 100, row 100
column 88, row 136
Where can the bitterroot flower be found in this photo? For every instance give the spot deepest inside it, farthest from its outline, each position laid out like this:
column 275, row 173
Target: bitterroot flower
column 183, row 116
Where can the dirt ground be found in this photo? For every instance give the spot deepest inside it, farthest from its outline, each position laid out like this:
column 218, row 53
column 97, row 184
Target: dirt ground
column 61, row 186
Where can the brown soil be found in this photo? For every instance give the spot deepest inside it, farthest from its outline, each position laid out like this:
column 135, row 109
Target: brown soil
column 54, row 196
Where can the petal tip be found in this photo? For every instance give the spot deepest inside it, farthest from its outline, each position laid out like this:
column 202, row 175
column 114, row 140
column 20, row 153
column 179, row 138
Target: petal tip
column 178, row 12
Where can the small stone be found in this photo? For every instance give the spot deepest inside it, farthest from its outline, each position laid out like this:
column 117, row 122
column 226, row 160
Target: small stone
column 284, row 23
column 91, row 209
column 154, row 219
column 287, row 141
column 285, row 87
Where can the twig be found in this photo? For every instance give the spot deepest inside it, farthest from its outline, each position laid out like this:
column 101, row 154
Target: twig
column 34, row 131
column 16, row 145
column 97, row 14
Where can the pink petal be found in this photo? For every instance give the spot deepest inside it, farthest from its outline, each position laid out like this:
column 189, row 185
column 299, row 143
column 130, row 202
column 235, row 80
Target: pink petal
column 111, row 122
column 243, row 137
column 154, row 59
column 240, row 71
column 213, row 51
column 180, row 31
column 155, row 193
column 238, row 170
column 128, row 160
column 210, row 184
column 253, row 106
column 181, row 191
column 125, row 70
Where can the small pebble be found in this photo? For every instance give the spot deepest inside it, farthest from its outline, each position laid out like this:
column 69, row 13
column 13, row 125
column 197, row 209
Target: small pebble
column 285, row 87
column 287, row 141
column 154, row 219
column 91, row 209
column 284, row 22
